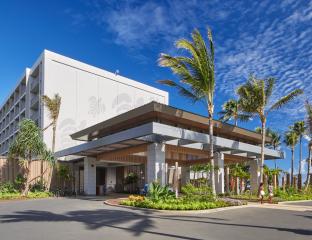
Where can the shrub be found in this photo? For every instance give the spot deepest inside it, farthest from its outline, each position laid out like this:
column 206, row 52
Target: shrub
column 131, row 178
column 38, row 187
column 175, row 204
column 7, row 187
column 156, row 192
column 19, row 182
column 201, row 193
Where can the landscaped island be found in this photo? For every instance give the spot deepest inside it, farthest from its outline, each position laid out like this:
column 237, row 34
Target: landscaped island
column 193, row 198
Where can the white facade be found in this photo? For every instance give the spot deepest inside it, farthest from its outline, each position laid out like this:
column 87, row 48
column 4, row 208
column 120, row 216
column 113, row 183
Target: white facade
column 89, row 95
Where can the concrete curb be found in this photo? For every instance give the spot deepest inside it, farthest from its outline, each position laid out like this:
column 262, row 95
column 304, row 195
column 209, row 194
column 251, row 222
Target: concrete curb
column 298, row 201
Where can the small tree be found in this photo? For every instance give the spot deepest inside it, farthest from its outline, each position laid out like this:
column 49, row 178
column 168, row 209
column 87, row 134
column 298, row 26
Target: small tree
column 28, row 146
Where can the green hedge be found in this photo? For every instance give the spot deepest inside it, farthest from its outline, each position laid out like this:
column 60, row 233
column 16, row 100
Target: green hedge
column 175, row 204
column 31, row 195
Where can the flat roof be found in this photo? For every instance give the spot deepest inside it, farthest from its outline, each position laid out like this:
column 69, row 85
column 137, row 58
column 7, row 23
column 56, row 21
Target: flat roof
column 161, row 113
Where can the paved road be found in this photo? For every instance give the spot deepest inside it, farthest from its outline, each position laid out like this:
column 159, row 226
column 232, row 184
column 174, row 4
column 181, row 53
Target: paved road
column 88, row 219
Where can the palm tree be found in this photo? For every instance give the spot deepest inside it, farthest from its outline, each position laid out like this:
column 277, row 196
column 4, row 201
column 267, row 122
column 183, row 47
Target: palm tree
column 232, row 110
column 309, row 136
column 27, row 146
column 300, row 128
column 275, row 142
column 197, row 78
column 254, row 97
column 53, row 105
column 291, row 140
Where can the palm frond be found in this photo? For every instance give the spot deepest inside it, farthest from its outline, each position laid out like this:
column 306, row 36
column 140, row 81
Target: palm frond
column 270, row 82
column 181, row 90
column 286, row 99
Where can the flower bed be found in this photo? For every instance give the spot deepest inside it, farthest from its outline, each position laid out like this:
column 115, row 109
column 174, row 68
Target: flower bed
column 193, row 198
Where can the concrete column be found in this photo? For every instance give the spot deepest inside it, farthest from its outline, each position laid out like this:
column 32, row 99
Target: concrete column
column 185, row 175
column 254, row 175
column 227, row 179
column 219, row 174
column 156, row 163
column 89, row 176
column 76, row 174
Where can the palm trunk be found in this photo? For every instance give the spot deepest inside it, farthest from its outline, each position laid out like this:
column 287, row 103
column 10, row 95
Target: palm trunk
column 212, row 175
column 263, row 121
column 274, row 181
column 300, row 155
column 53, row 151
column 292, row 167
column 237, row 185
column 27, row 182
column 307, row 183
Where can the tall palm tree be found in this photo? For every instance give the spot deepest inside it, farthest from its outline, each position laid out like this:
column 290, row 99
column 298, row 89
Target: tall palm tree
column 300, row 128
column 196, row 73
column 291, row 140
column 232, row 110
column 53, row 105
column 309, row 137
column 254, row 97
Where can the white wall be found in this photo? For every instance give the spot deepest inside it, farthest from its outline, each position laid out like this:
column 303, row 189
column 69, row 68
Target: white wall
column 89, row 95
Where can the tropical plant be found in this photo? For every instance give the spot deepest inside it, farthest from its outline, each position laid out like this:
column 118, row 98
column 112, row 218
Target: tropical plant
column 291, row 140
column 300, row 128
column 27, row 146
column 196, row 73
column 156, row 192
column 254, row 97
column 308, row 107
column 53, row 105
column 232, row 110
column 131, row 178
column 240, row 173
column 63, row 173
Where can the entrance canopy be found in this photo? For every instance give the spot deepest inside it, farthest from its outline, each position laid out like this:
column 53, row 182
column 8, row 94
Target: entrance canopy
column 185, row 135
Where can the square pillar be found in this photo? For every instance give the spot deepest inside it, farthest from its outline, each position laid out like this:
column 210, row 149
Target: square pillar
column 156, row 163
column 219, row 174
column 254, row 169
column 227, row 179
column 185, row 175
column 89, row 176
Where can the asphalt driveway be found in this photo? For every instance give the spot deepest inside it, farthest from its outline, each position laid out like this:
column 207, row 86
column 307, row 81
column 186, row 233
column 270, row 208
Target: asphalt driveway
column 90, row 219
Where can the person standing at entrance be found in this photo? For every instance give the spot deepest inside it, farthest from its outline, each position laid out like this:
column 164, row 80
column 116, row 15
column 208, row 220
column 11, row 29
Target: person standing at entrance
column 261, row 192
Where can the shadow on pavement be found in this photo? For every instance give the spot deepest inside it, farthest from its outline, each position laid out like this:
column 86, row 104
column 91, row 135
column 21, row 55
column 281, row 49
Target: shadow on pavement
column 142, row 223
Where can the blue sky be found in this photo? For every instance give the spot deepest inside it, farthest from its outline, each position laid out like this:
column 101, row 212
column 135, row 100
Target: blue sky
column 267, row 38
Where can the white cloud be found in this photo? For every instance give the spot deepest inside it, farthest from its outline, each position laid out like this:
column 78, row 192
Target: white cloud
column 268, row 38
